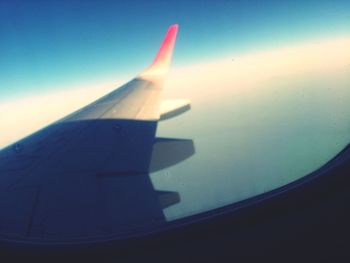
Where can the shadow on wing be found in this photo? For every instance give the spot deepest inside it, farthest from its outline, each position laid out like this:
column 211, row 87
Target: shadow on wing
column 87, row 178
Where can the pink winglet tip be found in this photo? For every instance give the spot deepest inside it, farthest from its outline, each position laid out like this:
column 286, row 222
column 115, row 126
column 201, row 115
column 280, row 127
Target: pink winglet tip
column 167, row 46
column 162, row 60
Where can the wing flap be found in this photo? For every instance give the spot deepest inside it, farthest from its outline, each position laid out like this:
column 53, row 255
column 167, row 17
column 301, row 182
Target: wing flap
column 172, row 108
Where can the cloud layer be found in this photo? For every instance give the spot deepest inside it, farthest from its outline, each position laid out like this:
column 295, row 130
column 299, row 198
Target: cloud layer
column 203, row 82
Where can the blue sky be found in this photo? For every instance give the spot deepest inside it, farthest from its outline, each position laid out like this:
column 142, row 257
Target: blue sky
column 48, row 45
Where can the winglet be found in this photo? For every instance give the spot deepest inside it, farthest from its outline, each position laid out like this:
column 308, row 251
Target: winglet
column 161, row 62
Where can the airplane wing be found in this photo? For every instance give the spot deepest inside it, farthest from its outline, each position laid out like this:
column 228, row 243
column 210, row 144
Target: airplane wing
column 86, row 175
column 103, row 127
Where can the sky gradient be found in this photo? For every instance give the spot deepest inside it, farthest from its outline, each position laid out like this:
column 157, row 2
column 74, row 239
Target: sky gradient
column 55, row 45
